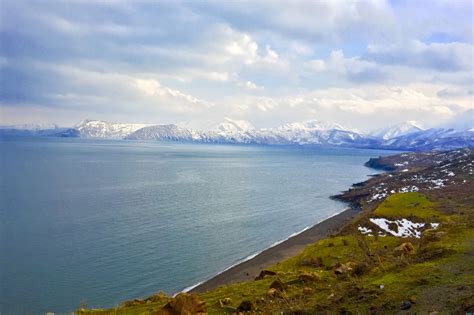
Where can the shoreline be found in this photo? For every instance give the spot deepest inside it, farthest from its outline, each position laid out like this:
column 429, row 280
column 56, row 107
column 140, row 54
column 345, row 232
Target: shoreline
column 249, row 269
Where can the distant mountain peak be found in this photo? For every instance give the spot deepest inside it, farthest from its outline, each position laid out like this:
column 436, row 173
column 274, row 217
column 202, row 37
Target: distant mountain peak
column 90, row 128
column 401, row 129
column 232, row 125
column 312, row 125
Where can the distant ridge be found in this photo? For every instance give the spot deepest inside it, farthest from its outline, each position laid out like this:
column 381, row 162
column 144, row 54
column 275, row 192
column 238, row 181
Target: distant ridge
column 405, row 136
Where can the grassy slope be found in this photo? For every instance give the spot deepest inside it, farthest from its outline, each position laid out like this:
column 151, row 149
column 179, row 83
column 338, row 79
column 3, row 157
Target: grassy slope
column 438, row 277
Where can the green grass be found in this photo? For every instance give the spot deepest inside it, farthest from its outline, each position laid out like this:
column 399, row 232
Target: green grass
column 407, row 205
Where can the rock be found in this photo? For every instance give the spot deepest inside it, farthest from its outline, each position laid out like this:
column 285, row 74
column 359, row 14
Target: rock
column 406, row 305
column 225, row 302
column 405, row 248
column 184, row 304
column 309, row 277
column 265, row 273
column 344, row 269
column 273, row 293
column 245, row 306
column 277, row 285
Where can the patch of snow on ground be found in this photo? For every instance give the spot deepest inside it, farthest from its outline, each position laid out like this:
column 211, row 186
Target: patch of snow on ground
column 434, row 225
column 378, row 196
column 438, row 183
column 408, row 189
column 406, row 228
column 364, row 230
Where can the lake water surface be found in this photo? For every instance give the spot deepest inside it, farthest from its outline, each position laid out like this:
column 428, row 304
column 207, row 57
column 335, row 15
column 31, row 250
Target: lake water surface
column 106, row 221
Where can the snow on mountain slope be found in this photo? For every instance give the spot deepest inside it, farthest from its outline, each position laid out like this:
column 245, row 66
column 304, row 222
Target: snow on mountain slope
column 230, row 125
column 324, row 133
column 432, row 139
column 103, row 129
column 407, row 136
column 311, row 125
column 402, row 129
column 232, row 131
column 166, row 132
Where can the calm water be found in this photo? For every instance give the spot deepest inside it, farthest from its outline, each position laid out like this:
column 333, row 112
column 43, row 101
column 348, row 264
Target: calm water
column 105, row 221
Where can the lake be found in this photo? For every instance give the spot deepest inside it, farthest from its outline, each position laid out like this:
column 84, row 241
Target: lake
column 98, row 222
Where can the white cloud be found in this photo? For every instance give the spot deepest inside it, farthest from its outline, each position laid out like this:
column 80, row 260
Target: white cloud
column 252, row 86
column 149, row 87
column 243, row 47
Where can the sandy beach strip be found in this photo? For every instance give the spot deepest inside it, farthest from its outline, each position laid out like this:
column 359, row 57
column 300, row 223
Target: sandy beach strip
column 251, row 268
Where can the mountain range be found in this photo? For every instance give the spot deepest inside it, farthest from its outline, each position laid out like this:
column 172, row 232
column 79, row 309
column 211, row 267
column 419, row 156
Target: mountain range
column 405, row 136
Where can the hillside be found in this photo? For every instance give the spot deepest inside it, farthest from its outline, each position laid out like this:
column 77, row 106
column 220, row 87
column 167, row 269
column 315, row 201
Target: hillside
column 409, row 250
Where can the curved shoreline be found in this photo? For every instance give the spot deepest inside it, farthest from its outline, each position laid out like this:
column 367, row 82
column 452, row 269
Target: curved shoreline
column 249, row 269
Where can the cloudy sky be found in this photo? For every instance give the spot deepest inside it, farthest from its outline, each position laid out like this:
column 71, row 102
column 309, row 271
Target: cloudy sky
column 365, row 64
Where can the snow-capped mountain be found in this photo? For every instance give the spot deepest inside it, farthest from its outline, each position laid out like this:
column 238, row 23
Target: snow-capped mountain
column 232, row 126
column 314, row 132
column 102, row 129
column 231, row 131
column 402, row 129
column 238, row 131
column 165, row 132
column 432, row 139
column 407, row 136
column 311, row 125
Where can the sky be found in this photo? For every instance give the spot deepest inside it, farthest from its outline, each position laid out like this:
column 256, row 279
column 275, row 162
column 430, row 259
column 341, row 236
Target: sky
column 364, row 64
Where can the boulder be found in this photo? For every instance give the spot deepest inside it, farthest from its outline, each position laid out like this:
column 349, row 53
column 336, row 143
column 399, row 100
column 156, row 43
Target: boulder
column 184, row 304
column 273, row 293
column 265, row 273
column 344, row 269
column 277, row 285
column 225, row 302
column 245, row 306
column 405, row 249
column 406, row 305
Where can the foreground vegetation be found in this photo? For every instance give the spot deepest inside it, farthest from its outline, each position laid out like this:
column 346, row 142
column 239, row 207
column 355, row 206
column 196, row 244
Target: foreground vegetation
column 361, row 273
